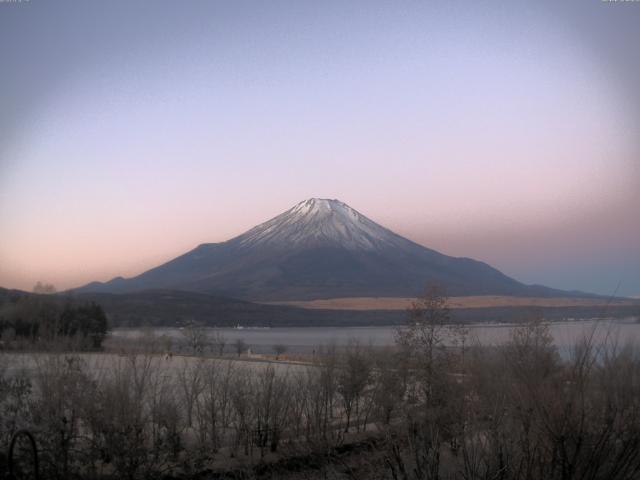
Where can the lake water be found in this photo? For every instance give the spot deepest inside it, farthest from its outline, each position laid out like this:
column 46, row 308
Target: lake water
column 305, row 339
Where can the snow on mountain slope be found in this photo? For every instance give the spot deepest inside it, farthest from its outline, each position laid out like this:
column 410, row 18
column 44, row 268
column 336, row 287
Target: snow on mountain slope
column 321, row 222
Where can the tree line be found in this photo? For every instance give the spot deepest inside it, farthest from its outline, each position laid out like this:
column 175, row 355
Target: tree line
column 49, row 320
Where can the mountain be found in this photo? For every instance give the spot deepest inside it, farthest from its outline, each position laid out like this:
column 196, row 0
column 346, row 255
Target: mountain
column 320, row 248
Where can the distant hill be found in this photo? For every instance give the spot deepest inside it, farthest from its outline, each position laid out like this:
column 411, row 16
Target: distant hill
column 321, row 249
column 7, row 294
column 176, row 308
column 172, row 308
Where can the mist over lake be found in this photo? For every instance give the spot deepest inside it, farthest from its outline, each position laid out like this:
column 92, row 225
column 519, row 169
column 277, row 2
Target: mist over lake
column 306, row 339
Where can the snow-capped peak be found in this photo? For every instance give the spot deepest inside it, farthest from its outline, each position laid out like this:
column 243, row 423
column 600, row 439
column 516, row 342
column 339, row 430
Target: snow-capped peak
column 320, row 221
column 321, row 207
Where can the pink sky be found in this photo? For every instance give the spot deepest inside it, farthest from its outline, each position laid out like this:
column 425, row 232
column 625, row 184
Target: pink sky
column 507, row 137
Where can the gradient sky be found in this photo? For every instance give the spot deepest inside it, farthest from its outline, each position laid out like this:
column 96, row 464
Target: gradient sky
column 509, row 132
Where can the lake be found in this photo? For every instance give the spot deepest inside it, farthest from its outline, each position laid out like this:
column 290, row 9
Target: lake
column 305, row 339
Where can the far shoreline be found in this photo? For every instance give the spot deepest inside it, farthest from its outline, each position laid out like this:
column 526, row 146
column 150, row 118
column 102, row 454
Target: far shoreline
column 460, row 302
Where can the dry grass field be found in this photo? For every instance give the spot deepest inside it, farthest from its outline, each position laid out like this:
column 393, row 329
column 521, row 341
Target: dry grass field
column 485, row 301
column 170, row 365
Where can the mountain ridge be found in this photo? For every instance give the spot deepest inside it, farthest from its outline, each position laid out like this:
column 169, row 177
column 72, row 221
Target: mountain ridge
column 320, row 248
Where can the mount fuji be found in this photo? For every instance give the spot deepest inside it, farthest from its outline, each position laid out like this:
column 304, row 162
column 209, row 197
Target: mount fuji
column 318, row 249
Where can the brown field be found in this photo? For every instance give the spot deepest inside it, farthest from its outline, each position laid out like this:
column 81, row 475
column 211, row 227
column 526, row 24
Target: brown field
column 485, row 301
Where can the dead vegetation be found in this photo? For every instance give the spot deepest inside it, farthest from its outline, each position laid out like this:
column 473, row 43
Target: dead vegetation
column 415, row 411
column 479, row 301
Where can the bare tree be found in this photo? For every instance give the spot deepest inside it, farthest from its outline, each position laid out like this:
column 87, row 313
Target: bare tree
column 353, row 377
column 44, row 288
column 320, row 386
column 214, row 404
column 191, row 383
column 389, row 384
column 240, row 346
column 242, row 401
column 196, row 336
column 530, row 351
column 422, row 338
column 279, row 349
column 460, row 334
column 272, row 401
column 219, row 341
